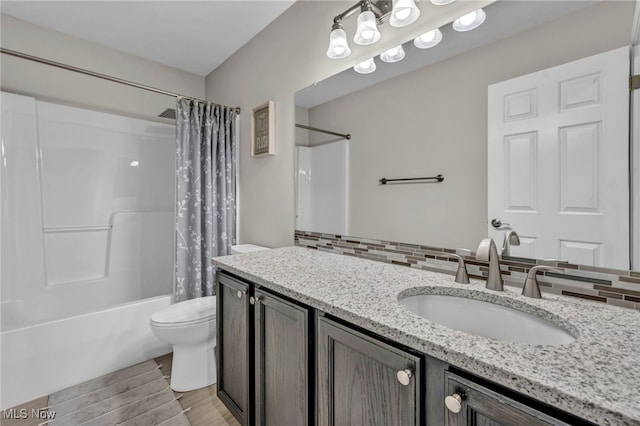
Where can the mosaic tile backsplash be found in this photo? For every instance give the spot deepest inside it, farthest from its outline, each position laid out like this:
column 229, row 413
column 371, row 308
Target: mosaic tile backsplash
column 615, row 287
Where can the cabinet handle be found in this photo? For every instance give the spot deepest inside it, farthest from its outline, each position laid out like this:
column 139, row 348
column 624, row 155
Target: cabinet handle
column 404, row 377
column 253, row 300
column 454, row 402
column 241, row 293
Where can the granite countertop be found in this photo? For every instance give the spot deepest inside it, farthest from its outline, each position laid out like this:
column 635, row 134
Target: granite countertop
column 597, row 377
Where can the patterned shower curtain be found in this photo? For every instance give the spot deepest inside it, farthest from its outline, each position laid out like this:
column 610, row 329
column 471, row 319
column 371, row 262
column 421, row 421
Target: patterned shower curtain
column 205, row 193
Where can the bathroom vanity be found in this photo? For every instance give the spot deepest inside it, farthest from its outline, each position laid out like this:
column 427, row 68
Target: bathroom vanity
column 308, row 337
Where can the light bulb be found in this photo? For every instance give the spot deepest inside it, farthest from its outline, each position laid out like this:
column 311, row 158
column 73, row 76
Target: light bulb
column 395, row 54
column 404, row 13
column 365, row 67
column 470, row 21
column 441, row 2
column 428, row 39
column 368, row 34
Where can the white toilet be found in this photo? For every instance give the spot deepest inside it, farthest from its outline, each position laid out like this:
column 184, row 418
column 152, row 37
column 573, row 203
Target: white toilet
column 189, row 326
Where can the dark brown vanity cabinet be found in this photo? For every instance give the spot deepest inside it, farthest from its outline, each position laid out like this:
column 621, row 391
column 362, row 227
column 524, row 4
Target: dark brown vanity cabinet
column 233, row 343
column 364, row 381
column 281, row 362
column 470, row 404
column 263, row 355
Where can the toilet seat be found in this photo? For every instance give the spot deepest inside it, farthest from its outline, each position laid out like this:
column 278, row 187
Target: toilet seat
column 189, row 312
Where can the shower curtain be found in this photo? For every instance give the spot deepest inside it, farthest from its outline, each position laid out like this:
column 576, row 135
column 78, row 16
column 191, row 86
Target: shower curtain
column 205, row 207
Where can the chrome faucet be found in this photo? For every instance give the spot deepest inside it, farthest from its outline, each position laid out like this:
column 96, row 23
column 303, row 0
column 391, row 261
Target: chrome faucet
column 531, row 286
column 511, row 238
column 487, row 251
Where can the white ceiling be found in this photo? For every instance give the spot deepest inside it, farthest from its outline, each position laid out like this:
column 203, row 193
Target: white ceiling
column 195, row 36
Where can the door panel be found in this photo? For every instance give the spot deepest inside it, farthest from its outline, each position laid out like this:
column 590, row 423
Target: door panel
column 579, row 148
column 357, row 380
column 520, row 172
column 233, row 346
column 282, row 360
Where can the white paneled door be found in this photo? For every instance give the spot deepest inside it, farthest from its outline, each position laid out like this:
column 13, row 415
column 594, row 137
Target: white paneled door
column 558, row 166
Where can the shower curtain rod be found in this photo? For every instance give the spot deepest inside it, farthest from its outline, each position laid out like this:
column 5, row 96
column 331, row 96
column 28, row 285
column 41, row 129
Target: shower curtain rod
column 329, row 132
column 99, row 75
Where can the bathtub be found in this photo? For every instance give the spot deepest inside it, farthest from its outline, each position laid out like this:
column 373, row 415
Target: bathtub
column 41, row 359
column 86, row 243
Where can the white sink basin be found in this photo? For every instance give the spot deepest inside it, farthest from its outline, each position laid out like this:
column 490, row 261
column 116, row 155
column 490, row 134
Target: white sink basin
column 486, row 319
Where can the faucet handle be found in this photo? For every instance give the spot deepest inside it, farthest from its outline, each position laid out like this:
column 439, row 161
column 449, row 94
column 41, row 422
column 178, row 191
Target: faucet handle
column 531, row 286
column 462, row 276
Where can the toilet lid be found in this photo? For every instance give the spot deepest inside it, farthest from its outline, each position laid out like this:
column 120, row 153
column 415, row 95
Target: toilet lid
column 193, row 310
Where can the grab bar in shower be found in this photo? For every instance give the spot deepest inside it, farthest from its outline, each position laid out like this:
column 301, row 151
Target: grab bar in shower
column 89, row 228
column 437, row 179
column 60, row 229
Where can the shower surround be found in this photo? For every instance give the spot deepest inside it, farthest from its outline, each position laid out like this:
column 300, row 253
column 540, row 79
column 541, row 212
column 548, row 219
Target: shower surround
column 87, row 231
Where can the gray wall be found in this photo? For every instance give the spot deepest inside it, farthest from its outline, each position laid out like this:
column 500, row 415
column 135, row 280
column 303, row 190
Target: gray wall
column 434, row 120
column 47, row 83
column 285, row 57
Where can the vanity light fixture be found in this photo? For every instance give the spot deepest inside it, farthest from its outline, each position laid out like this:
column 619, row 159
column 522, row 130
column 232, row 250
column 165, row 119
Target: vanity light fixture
column 365, row 67
column 371, row 13
column 395, row 54
column 403, row 13
column 338, row 45
column 470, row 21
column 428, row 39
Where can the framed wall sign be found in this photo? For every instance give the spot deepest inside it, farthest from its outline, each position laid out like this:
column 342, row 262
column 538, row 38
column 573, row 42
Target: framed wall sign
column 262, row 130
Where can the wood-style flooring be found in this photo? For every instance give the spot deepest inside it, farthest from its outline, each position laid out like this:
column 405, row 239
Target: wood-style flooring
column 205, row 407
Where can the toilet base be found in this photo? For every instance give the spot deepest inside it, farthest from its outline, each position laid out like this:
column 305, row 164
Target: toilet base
column 193, row 367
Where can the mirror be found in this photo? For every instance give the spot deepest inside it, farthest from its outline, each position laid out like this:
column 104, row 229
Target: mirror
column 428, row 115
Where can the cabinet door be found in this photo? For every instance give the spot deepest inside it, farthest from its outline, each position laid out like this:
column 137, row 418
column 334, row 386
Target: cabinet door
column 359, row 380
column 281, row 362
column 484, row 407
column 233, row 346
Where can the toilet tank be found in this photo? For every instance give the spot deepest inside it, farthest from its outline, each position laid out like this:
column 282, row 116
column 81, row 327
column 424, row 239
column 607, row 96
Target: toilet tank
column 246, row 248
